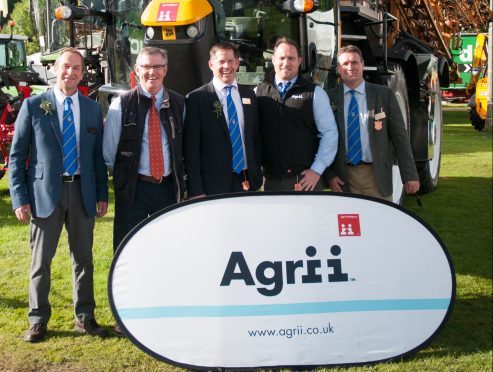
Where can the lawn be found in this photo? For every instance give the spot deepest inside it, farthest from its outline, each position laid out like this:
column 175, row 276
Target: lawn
column 459, row 210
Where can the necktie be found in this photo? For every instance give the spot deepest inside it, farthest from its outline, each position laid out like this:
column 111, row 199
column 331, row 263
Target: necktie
column 69, row 139
column 284, row 89
column 156, row 159
column 238, row 162
column 353, row 131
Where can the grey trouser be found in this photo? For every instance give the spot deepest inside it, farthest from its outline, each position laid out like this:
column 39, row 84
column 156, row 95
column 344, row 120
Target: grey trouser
column 45, row 233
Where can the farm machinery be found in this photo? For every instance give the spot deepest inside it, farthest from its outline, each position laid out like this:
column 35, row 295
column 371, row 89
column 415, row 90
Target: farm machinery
column 405, row 45
column 15, row 80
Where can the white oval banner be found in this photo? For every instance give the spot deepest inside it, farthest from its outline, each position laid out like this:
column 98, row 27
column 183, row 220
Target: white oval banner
column 271, row 280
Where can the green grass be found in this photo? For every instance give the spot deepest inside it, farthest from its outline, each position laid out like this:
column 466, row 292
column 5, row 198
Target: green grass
column 459, row 210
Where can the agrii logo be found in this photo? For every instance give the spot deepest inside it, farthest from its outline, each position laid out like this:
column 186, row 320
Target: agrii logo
column 238, row 269
column 349, row 225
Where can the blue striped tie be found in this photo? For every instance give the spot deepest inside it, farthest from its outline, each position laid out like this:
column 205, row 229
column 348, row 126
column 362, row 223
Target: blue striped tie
column 353, row 131
column 69, row 139
column 234, row 133
column 284, row 89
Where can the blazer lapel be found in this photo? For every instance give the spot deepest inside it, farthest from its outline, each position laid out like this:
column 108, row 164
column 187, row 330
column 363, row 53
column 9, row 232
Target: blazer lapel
column 247, row 110
column 83, row 123
column 340, row 119
column 211, row 94
column 370, row 105
column 55, row 124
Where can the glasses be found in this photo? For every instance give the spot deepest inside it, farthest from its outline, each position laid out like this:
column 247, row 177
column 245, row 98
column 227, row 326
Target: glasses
column 157, row 68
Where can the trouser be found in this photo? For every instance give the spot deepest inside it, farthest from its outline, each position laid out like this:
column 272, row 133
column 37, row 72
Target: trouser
column 149, row 198
column 44, row 237
column 362, row 181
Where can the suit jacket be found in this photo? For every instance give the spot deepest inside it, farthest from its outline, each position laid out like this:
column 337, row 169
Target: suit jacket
column 36, row 156
column 387, row 143
column 207, row 145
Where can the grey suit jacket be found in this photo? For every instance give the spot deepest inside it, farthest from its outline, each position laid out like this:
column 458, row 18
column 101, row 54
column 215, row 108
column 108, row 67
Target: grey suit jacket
column 36, row 156
column 388, row 144
column 207, row 144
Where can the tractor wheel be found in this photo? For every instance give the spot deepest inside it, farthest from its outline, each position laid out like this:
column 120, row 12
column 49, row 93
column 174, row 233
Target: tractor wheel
column 430, row 170
column 476, row 121
column 397, row 82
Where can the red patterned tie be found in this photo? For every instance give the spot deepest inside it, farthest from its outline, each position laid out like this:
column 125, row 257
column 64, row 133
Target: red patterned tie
column 155, row 142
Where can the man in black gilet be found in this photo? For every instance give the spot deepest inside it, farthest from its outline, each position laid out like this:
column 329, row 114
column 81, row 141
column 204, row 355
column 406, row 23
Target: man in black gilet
column 297, row 126
column 142, row 144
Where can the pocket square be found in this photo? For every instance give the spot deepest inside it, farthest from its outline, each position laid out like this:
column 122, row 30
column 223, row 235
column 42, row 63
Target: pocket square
column 92, row 130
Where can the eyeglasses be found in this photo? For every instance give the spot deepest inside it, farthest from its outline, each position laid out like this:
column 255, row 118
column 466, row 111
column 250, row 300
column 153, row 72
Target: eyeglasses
column 157, row 68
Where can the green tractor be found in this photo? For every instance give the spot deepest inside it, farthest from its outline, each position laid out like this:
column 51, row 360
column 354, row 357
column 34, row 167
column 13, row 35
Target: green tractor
column 16, row 79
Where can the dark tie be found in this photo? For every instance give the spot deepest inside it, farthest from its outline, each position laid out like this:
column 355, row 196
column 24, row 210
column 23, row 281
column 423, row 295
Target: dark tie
column 353, row 131
column 284, row 88
column 69, row 139
column 238, row 162
column 156, row 159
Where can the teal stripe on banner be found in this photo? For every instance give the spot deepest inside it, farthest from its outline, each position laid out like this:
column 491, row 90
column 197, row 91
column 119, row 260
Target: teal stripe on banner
column 283, row 309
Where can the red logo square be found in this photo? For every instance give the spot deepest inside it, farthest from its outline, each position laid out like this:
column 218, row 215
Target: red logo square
column 167, row 12
column 349, row 225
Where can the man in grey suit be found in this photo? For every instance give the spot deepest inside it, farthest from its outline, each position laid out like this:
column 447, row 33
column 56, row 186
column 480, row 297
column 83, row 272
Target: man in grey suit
column 58, row 177
column 364, row 166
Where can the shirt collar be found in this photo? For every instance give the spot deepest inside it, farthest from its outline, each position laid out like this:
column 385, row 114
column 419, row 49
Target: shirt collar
column 219, row 85
column 159, row 95
column 360, row 88
column 278, row 81
column 60, row 96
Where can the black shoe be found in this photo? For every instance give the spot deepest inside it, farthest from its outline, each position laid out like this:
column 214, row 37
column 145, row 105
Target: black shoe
column 35, row 333
column 119, row 331
column 91, row 327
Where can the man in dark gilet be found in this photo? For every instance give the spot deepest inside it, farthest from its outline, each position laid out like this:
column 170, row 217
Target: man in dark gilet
column 142, row 144
column 297, row 126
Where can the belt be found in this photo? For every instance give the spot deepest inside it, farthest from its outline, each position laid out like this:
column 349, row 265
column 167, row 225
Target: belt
column 360, row 164
column 73, row 178
column 151, row 179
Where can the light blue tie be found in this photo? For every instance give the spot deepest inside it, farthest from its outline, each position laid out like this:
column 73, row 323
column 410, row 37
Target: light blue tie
column 69, row 139
column 353, row 131
column 284, row 88
column 234, row 133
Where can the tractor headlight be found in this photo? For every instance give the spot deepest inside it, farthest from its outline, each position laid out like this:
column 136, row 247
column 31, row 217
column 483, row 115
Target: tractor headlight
column 63, row 12
column 192, row 31
column 150, row 32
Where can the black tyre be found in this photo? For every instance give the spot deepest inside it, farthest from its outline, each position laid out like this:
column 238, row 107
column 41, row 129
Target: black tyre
column 397, row 82
column 476, row 121
column 429, row 171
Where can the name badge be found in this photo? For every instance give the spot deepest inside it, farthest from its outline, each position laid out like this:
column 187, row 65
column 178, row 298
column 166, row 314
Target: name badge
column 380, row 116
column 246, row 101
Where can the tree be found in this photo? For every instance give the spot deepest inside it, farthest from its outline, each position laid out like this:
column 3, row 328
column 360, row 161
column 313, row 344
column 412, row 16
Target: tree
column 24, row 25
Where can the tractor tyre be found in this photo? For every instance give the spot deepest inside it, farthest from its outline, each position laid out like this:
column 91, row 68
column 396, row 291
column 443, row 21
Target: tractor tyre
column 397, row 82
column 476, row 121
column 429, row 171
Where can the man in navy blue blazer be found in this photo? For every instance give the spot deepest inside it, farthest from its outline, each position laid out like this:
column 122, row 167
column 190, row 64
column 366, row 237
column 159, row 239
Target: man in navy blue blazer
column 58, row 178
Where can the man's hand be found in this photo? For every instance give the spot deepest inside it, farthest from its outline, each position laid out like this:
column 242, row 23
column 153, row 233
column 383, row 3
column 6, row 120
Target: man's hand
column 102, row 208
column 411, row 187
column 335, row 184
column 23, row 213
column 309, row 180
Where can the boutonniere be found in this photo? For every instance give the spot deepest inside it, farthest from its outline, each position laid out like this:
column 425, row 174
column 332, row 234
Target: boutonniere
column 218, row 109
column 334, row 107
column 46, row 106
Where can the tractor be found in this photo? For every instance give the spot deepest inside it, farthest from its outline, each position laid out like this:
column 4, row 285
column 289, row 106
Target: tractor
column 15, row 80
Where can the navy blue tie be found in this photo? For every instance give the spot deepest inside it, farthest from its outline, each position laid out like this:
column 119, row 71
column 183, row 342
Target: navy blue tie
column 238, row 162
column 69, row 139
column 353, row 132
